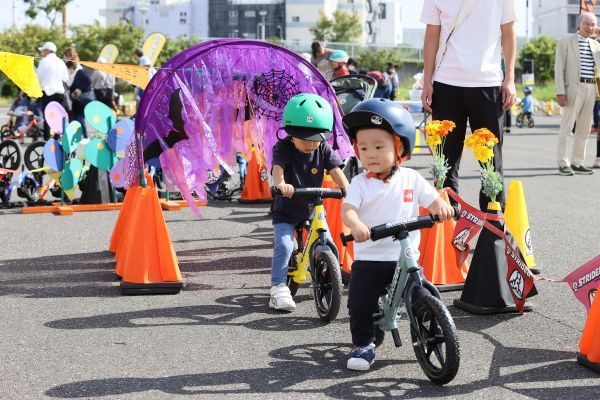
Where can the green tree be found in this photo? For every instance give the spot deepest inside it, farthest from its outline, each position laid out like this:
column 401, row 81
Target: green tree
column 89, row 40
column 174, row 46
column 52, row 8
column 341, row 27
column 541, row 50
column 376, row 59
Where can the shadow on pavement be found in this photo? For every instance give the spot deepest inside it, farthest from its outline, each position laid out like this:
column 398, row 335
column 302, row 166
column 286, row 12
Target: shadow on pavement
column 68, row 275
column 226, row 312
column 304, row 367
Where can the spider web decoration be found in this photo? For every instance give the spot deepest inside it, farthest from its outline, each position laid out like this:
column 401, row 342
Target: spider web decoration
column 271, row 91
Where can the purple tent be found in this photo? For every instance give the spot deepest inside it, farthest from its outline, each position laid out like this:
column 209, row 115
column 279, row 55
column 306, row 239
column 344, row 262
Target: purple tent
column 216, row 98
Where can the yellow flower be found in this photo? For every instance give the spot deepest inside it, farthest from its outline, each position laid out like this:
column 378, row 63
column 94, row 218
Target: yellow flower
column 483, row 154
column 433, row 140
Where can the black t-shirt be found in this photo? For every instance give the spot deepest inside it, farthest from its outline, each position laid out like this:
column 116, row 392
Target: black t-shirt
column 300, row 170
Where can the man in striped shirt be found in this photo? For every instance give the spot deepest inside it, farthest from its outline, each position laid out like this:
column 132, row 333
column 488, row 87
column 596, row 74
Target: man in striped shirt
column 577, row 59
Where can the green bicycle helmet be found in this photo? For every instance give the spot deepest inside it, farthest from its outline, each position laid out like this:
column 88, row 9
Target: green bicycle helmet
column 308, row 116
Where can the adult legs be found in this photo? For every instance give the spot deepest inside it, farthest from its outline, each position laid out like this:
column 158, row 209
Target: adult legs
column 59, row 98
column 584, row 123
column 484, row 105
column 569, row 114
column 448, row 103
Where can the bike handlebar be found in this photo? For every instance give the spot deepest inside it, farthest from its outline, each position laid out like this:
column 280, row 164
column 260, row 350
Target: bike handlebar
column 393, row 228
column 310, row 193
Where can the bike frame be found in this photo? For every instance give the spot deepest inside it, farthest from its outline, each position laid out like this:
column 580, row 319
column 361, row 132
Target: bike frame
column 399, row 292
column 316, row 237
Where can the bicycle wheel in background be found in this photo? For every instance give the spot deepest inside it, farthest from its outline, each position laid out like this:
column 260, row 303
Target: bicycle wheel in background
column 10, row 155
column 530, row 122
column 519, row 121
column 34, row 155
column 435, row 340
column 327, row 285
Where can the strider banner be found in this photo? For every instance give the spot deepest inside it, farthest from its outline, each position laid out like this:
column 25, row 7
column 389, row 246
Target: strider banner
column 519, row 278
column 470, row 223
column 585, row 281
column 586, row 6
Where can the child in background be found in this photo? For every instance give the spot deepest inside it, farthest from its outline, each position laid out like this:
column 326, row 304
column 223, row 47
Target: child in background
column 299, row 161
column 25, row 110
column 527, row 102
column 338, row 60
column 383, row 134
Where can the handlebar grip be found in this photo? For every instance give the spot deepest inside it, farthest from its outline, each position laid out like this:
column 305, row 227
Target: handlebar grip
column 346, row 238
column 456, row 214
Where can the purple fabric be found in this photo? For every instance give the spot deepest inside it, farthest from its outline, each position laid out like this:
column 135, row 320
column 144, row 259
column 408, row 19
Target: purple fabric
column 216, row 78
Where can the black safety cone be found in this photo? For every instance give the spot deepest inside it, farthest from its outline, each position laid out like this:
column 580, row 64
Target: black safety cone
column 96, row 189
column 486, row 290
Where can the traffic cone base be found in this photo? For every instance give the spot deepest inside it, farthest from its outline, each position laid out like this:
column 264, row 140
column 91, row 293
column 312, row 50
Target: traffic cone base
column 484, row 310
column 583, row 360
column 129, row 288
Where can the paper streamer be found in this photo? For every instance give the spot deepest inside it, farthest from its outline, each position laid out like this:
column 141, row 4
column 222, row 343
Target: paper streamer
column 19, row 69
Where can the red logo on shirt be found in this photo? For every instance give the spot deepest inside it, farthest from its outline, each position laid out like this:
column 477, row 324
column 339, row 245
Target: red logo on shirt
column 408, row 196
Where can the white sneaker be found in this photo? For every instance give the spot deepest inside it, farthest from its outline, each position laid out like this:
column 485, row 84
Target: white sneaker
column 597, row 163
column 281, row 298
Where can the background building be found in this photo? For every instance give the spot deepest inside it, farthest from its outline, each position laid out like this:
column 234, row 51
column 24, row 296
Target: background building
column 250, row 19
column 380, row 19
column 171, row 17
column 554, row 18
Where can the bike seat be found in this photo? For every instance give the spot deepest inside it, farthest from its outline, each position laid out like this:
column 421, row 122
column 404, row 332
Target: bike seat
column 303, row 225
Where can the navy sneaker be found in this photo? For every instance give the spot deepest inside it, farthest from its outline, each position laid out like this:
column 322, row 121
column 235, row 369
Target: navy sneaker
column 361, row 358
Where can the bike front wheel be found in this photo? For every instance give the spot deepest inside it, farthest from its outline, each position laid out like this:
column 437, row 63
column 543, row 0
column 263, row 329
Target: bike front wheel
column 435, row 340
column 327, row 285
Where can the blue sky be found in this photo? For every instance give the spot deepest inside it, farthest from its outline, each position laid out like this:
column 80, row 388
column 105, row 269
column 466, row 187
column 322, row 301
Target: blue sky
column 86, row 11
column 78, row 12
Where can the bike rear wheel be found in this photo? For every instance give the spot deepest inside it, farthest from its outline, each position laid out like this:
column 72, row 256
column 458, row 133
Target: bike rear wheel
column 327, row 285
column 435, row 340
column 519, row 120
column 530, row 122
column 10, row 155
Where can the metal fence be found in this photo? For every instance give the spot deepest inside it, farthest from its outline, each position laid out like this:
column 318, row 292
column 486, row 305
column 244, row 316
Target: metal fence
column 405, row 53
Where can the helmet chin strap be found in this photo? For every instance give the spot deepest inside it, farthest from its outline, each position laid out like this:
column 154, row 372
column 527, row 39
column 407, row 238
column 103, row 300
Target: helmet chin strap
column 399, row 160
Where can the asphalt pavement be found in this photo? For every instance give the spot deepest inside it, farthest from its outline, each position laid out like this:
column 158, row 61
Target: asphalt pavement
column 66, row 331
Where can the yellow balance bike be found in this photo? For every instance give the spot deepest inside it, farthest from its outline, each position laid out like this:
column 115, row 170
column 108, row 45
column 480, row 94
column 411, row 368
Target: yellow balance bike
column 316, row 257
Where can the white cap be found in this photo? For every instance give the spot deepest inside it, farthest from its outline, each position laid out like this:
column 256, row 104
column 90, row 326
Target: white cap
column 48, row 46
column 145, row 61
column 102, row 60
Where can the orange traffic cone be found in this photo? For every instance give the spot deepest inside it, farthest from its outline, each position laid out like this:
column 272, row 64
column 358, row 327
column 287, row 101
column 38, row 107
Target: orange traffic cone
column 256, row 187
column 333, row 211
column 589, row 346
column 146, row 260
column 122, row 219
column 438, row 257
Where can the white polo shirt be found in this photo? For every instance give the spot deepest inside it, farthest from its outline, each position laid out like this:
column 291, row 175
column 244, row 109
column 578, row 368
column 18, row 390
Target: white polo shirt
column 379, row 203
column 474, row 52
column 52, row 72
